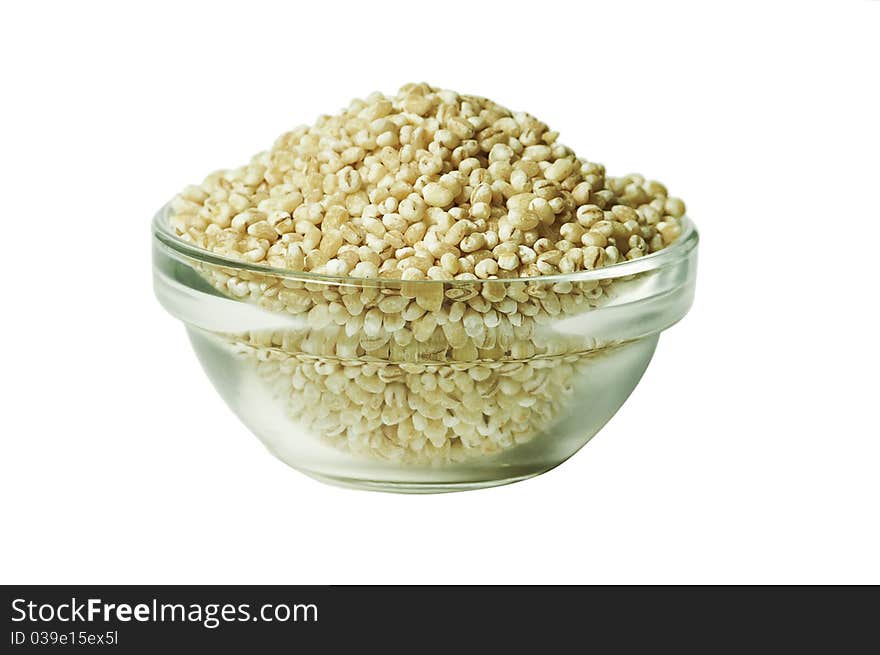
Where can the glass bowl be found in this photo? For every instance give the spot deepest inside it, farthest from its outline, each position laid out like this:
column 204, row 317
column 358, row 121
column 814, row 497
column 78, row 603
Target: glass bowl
column 422, row 386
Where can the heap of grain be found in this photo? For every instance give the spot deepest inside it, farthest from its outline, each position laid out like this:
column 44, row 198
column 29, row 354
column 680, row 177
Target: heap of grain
column 423, row 226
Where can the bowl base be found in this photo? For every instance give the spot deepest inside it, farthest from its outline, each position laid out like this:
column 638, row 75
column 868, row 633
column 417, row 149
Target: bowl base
column 415, row 487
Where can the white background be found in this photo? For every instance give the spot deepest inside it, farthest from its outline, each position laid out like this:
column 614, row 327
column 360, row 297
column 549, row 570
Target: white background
column 748, row 454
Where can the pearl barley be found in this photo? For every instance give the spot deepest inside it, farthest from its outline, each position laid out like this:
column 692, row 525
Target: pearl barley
column 442, row 206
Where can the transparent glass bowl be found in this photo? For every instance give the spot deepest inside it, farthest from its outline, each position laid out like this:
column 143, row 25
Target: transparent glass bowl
column 422, row 386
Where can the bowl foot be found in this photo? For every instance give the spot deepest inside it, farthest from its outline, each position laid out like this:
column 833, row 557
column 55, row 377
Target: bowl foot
column 415, row 487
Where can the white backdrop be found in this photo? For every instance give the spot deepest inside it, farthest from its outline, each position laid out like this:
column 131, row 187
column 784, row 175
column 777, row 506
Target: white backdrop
column 749, row 453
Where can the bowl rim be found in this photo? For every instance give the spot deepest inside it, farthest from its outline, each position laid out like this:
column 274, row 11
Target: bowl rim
column 669, row 256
